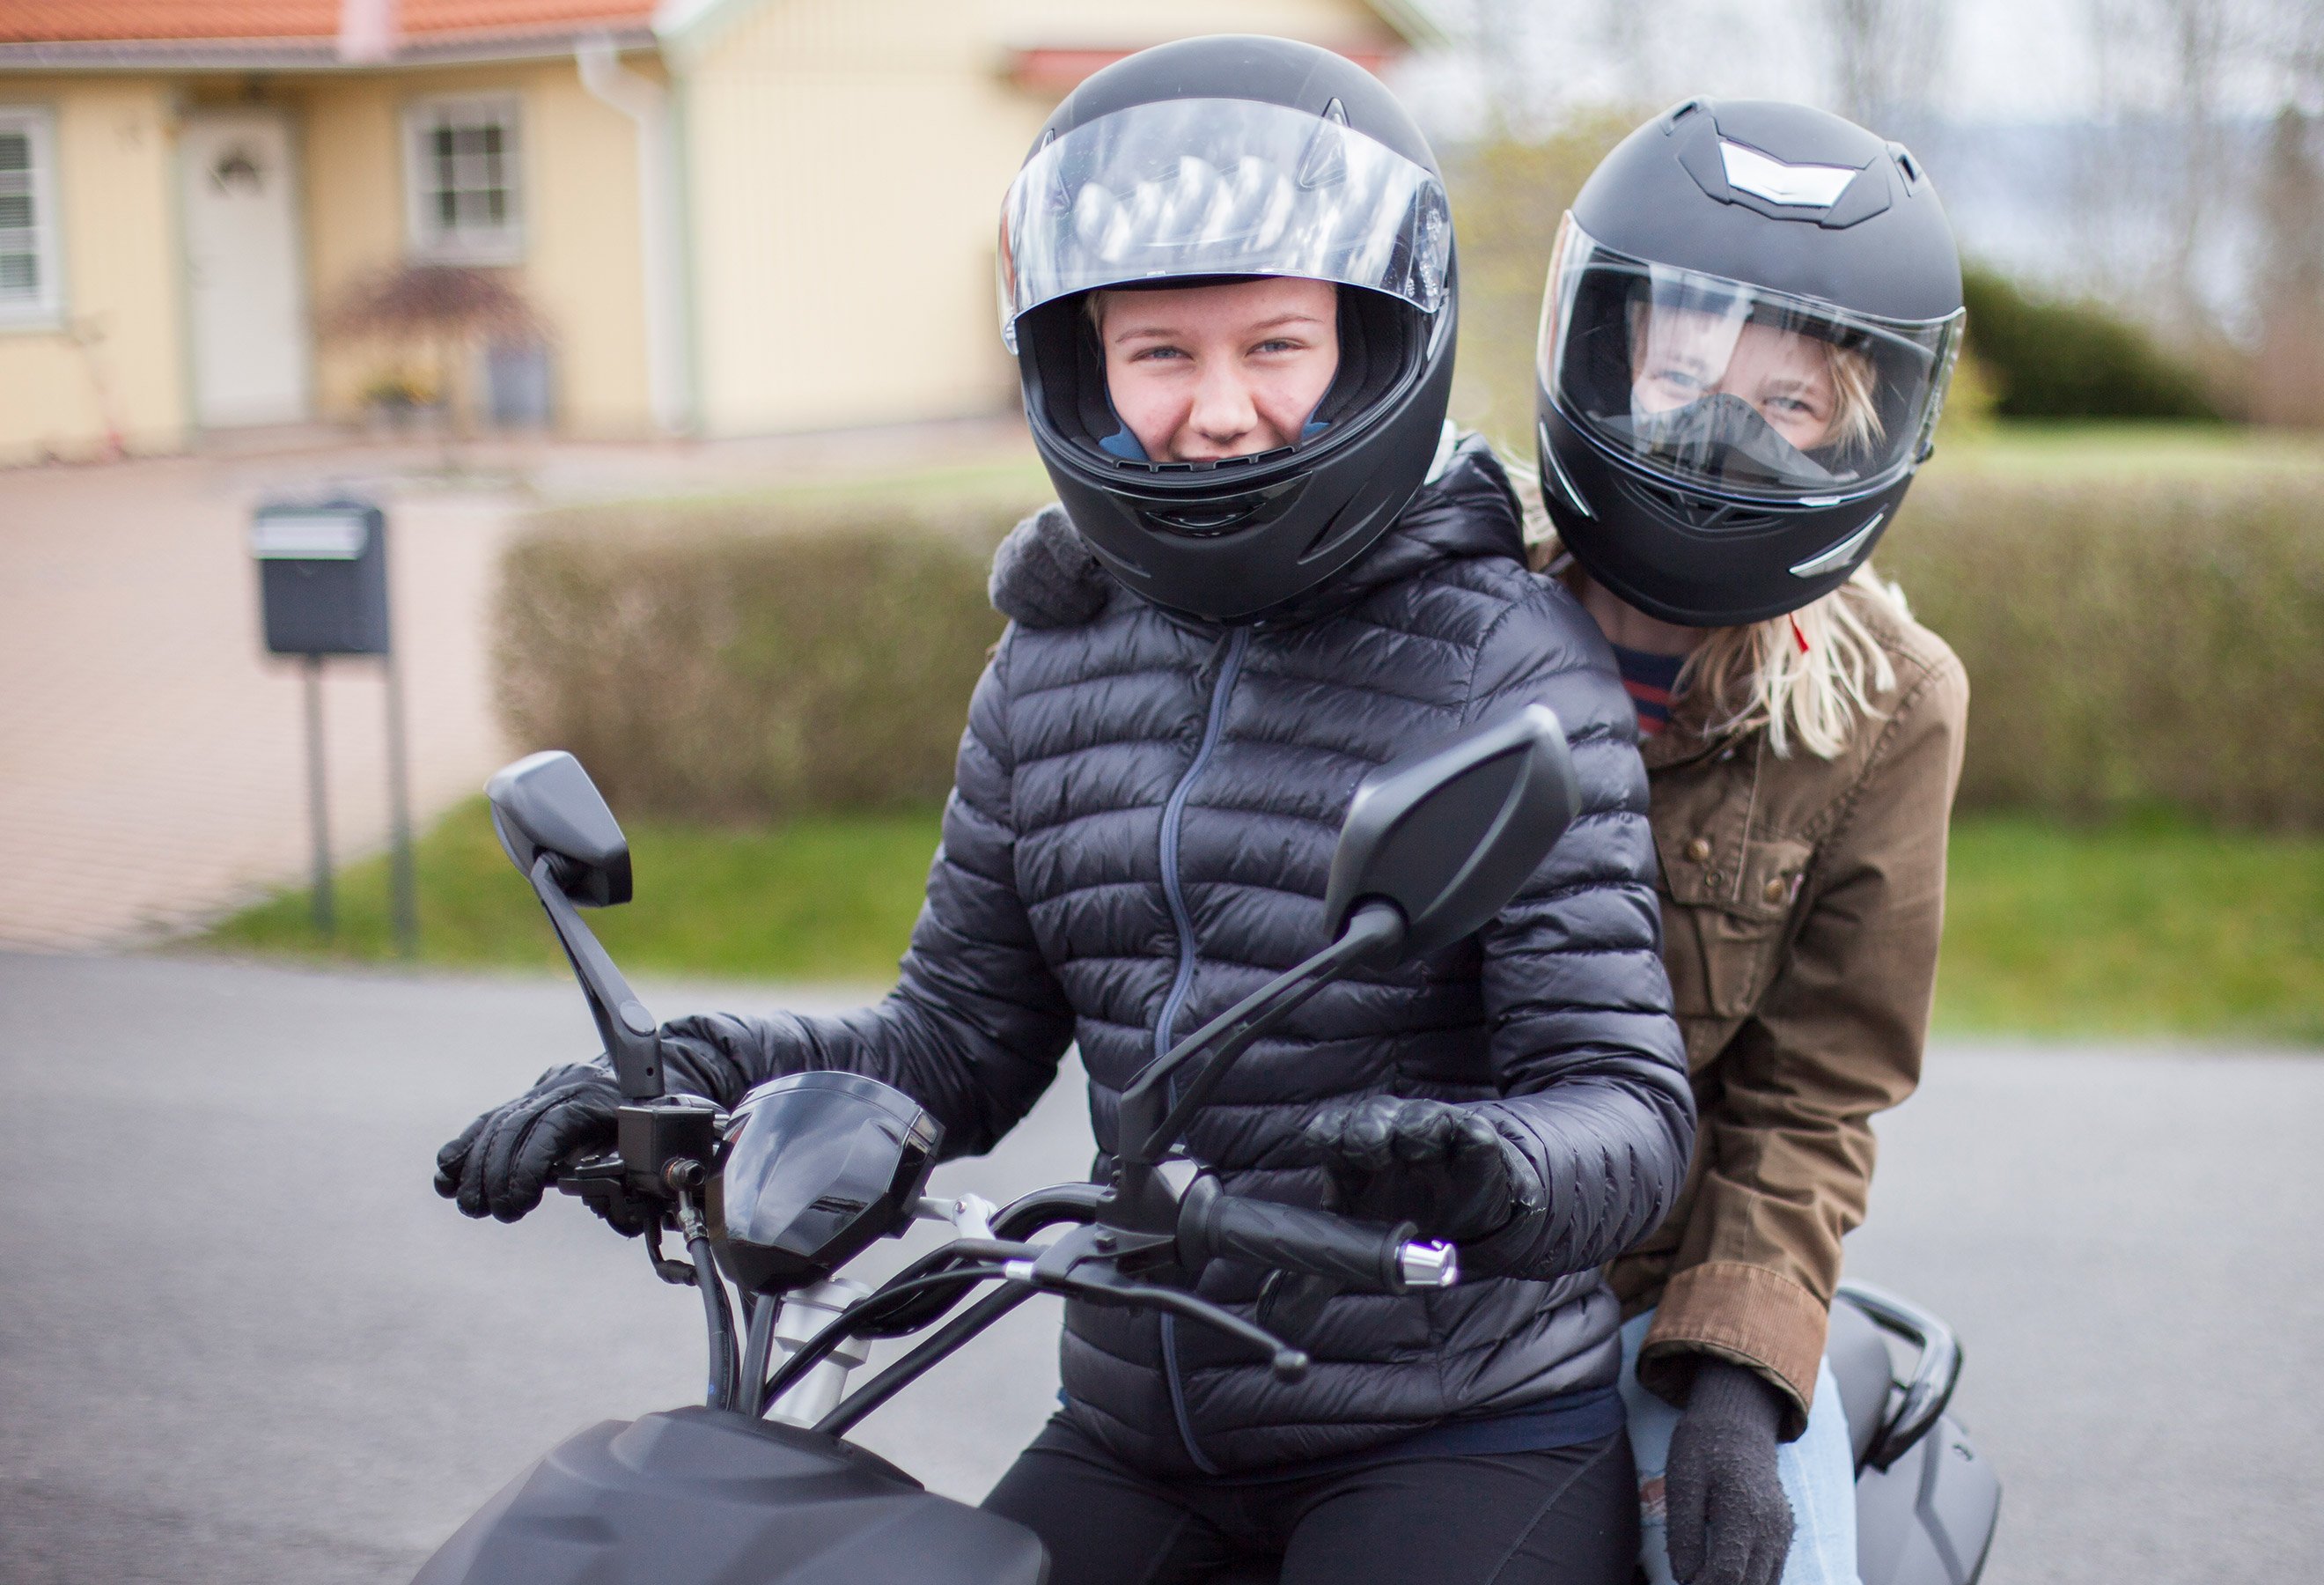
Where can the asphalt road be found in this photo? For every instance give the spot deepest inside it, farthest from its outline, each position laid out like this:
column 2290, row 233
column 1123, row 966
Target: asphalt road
column 242, row 1340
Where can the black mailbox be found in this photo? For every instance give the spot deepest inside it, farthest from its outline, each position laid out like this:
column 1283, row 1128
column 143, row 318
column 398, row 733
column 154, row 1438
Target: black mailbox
column 322, row 577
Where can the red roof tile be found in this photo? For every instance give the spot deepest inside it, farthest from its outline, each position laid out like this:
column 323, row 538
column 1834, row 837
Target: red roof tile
column 50, row 21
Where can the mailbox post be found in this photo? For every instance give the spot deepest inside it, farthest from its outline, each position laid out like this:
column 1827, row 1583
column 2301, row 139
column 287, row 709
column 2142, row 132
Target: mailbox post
column 322, row 580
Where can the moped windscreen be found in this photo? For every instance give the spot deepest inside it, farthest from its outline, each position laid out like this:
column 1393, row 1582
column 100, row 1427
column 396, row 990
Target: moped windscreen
column 815, row 1166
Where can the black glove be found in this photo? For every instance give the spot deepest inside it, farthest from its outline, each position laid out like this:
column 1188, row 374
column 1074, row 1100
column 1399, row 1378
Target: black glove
column 500, row 1163
column 1433, row 1163
column 1730, row 1521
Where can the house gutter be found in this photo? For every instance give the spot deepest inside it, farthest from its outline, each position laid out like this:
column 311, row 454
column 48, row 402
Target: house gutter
column 669, row 382
column 318, row 54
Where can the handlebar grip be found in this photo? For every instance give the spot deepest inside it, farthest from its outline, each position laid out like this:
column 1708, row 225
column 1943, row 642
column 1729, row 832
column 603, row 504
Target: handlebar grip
column 1361, row 1257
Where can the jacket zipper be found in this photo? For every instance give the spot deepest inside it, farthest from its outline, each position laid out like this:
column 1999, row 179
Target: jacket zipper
column 1173, row 813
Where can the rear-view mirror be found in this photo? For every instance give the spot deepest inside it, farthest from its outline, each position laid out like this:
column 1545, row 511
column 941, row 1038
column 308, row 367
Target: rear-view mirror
column 545, row 803
column 1449, row 834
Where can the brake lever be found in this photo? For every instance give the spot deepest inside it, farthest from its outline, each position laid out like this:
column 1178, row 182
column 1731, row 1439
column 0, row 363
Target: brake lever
column 677, row 1273
column 1085, row 1264
column 601, row 1181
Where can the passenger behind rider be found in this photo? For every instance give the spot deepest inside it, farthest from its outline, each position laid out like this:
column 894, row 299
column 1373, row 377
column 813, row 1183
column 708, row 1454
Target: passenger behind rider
column 1734, row 397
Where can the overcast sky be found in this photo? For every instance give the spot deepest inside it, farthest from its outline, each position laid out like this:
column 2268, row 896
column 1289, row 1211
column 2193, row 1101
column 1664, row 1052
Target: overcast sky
column 1984, row 60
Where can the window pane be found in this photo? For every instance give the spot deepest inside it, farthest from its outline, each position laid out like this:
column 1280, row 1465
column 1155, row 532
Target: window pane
column 15, row 211
column 15, row 150
column 468, row 187
column 20, row 275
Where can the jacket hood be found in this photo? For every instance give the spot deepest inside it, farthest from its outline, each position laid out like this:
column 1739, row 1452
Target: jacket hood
column 1044, row 576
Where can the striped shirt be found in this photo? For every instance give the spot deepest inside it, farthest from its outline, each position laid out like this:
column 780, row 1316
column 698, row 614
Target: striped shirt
column 1649, row 680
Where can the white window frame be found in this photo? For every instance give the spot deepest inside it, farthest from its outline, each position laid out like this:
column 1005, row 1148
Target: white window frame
column 46, row 309
column 426, row 236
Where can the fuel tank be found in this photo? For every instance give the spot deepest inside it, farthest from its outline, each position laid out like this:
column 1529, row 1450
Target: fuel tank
column 703, row 1497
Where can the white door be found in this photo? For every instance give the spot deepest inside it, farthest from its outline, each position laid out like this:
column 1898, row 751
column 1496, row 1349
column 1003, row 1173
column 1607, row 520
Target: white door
column 246, row 290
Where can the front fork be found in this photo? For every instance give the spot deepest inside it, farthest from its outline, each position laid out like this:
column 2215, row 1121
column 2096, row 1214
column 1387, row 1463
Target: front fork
column 781, row 1327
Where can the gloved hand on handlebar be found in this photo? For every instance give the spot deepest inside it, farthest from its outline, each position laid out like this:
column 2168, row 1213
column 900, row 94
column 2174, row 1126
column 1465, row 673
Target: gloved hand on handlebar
column 501, row 1162
column 1440, row 1165
column 1730, row 1521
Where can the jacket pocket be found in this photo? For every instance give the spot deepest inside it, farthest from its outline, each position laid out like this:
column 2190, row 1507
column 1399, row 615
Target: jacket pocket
column 1724, row 917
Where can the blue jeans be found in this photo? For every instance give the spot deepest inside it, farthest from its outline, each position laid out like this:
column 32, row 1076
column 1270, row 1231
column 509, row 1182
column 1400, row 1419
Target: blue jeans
column 1817, row 1473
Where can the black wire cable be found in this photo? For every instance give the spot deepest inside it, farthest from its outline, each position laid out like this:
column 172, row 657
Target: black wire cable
column 812, row 1352
column 896, row 1320
column 717, row 1315
column 928, row 1354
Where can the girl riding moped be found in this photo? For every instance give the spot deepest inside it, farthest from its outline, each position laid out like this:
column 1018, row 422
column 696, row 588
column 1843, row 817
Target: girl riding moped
column 1228, row 275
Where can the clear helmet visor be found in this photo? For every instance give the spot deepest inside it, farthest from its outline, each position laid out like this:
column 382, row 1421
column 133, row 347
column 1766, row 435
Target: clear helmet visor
column 1714, row 383
column 1189, row 188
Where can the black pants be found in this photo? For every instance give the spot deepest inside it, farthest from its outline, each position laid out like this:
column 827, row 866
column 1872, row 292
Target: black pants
column 1564, row 1516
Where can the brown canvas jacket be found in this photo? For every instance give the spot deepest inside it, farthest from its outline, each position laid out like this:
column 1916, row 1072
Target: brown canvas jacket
column 1802, row 900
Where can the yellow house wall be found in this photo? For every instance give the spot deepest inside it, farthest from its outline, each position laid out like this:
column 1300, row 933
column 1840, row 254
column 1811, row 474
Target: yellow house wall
column 581, row 265
column 114, row 358
column 847, row 160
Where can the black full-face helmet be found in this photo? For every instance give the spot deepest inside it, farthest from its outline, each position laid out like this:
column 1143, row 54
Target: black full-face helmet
column 1751, row 319
column 1223, row 159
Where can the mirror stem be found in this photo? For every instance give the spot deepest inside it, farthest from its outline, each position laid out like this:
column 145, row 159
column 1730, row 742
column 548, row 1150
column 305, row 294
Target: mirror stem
column 629, row 1031
column 1373, row 934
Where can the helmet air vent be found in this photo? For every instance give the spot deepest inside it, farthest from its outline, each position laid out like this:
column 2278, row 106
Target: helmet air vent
column 1815, row 187
column 1211, row 517
column 1325, row 161
column 1692, row 512
column 1840, row 555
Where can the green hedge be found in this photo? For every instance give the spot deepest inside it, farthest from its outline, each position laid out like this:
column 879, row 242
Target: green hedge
column 2133, row 642
column 742, row 663
column 2052, row 358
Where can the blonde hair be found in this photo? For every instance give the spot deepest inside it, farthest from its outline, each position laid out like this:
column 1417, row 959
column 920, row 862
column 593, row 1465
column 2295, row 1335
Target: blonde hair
column 1856, row 426
column 1807, row 678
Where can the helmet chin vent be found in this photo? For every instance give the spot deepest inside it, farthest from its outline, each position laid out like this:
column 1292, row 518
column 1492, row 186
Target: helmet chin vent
column 1694, row 512
column 1209, row 518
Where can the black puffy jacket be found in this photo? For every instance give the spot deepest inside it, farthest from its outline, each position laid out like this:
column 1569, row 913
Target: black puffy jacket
column 1138, row 836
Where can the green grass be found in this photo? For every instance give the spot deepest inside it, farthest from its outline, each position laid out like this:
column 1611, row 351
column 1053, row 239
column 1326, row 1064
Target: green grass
column 2061, row 448
column 825, row 899
column 2153, row 930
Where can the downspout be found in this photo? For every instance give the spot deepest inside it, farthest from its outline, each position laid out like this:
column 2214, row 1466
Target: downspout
column 646, row 103
column 367, row 31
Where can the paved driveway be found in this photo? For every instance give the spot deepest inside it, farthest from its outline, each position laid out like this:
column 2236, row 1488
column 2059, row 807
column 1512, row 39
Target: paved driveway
column 240, row 1340
column 151, row 768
